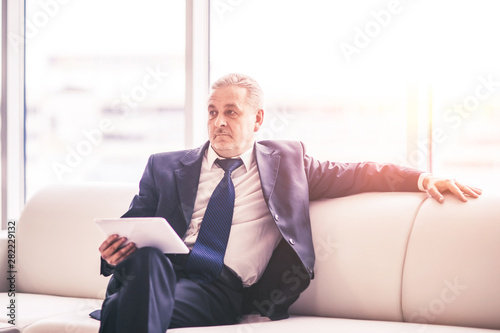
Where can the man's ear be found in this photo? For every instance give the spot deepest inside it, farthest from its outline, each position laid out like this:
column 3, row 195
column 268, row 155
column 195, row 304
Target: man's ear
column 259, row 119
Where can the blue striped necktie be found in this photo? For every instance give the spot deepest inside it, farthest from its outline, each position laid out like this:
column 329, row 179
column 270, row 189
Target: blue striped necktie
column 206, row 259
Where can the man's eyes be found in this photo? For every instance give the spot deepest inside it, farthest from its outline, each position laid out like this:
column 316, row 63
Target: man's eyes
column 231, row 113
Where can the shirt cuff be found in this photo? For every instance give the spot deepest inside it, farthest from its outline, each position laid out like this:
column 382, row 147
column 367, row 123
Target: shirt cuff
column 421, row 181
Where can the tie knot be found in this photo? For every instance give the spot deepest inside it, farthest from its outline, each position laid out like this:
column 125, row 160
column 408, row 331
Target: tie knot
column 228, row 164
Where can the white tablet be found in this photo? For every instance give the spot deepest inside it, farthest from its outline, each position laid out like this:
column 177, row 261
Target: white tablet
column 144, row 231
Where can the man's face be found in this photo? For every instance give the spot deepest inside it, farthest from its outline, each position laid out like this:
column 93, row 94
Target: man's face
column 232, row 122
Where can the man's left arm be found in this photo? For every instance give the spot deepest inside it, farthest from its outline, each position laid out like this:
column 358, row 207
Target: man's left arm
column 328, row 179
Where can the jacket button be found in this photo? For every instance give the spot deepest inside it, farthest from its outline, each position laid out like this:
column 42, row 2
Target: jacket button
column 291, row 241
column 276, row 217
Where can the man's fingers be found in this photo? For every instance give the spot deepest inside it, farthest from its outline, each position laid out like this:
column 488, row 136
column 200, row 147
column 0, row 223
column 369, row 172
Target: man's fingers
column 114, row 246
column 468, row 191
column 471, row 191
column 121, row 254
column 129, row 251
column 113, row 249
column 477, row 190
column 436, row 186
column 453, row 188
column 110, row 240
column 433, row 192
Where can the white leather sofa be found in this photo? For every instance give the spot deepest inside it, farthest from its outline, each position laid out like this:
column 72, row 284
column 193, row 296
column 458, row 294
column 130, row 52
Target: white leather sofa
column 386, row 262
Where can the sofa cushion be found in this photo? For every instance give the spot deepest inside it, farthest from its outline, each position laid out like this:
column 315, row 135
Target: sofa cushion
column 74, row 322
column 329, row 325
column 360, row 244
column 79, row 322
column 7, row 328
column 33, row 307
column 452, row 269
column 57, row 242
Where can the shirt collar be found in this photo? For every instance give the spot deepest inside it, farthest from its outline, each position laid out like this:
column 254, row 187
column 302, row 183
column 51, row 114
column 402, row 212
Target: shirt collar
column 246, row 157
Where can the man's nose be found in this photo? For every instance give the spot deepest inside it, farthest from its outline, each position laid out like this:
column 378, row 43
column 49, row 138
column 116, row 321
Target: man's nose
column 220, row 120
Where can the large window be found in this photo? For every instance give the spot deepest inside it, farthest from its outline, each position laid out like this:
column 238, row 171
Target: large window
column 107, row 83
column 104, row 88
column 371, row 80
column 345, row 110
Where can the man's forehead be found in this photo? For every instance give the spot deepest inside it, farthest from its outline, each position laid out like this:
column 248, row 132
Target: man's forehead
column 231, row 96
column 227, row 105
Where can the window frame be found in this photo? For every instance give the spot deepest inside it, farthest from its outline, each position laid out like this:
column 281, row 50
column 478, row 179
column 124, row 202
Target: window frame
column 13, row 110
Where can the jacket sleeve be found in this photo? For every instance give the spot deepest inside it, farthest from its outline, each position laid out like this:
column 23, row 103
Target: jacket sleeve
column 106, row 269
column 143, row 204
column 332, row 179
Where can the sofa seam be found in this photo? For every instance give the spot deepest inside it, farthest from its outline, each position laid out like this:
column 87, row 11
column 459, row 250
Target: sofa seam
column 403, row 266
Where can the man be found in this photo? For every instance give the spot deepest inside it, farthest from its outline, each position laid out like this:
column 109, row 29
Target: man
column 267, row 255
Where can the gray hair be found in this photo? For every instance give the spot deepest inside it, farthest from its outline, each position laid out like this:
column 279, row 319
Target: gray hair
column 254, row 92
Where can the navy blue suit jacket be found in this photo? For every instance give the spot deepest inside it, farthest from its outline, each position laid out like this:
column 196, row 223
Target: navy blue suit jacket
column 290, row 180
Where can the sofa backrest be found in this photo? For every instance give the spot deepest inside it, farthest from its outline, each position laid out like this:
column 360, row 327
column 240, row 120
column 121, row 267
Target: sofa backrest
column 57, row 239
column 405, row 257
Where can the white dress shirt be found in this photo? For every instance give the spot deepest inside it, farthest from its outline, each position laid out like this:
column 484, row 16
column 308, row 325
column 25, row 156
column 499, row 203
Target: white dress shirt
column 253, row 234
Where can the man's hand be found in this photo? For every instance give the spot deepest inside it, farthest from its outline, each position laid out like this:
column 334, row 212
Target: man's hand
column 435, row 186
column 113, row 252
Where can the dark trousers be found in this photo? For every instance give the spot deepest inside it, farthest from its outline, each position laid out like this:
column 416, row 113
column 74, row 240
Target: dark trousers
column 150, row 292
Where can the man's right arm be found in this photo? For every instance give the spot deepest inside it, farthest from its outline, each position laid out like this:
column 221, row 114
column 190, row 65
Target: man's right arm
column 143, row 204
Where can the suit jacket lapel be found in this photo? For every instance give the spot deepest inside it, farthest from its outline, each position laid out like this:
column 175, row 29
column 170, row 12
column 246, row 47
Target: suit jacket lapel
column 187, row 178
column 268, row 165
